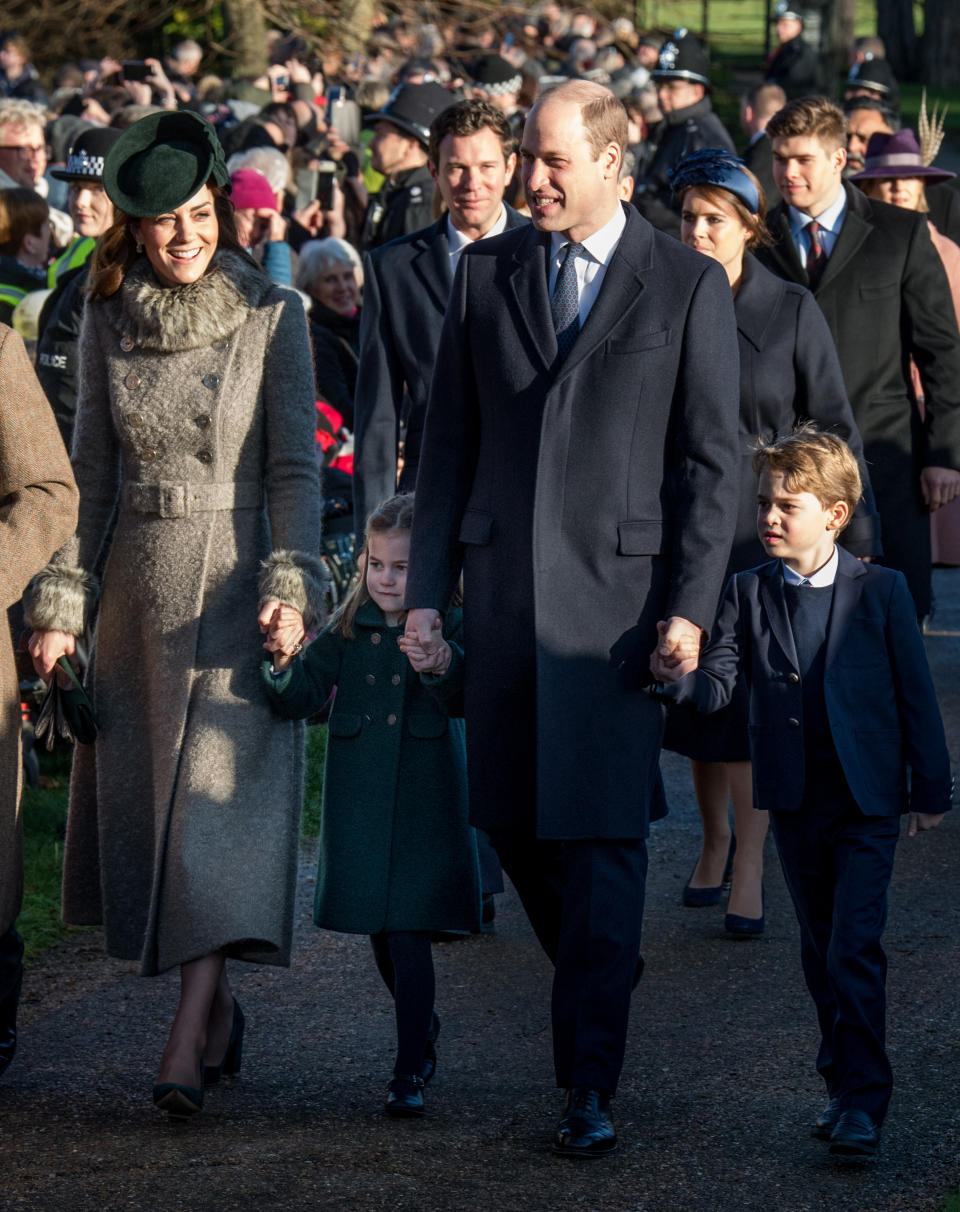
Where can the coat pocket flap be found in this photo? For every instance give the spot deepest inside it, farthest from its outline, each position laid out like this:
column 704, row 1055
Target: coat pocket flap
column 639, row 341
column 426, row 726
column 476, row 527
column 641, row 538
column 879, row 290
column 345, row 723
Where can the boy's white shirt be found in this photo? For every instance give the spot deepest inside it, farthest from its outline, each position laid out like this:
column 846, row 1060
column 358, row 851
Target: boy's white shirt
column 816, row 580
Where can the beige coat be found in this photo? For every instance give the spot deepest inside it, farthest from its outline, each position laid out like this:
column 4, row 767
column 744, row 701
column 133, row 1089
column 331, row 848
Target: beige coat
column 195, row 403
column 38, row 512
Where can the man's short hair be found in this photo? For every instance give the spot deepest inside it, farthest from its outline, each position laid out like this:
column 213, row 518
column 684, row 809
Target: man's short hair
column 819, row 463
column 766, row 99
column 889, row 116
column 817, row 117
column 604, row 115
column 469, row 118
column 16, row 112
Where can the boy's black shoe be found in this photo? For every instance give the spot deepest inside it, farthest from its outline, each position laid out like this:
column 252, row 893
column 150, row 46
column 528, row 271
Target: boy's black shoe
column 856, row 1135
column 823, row 1126
column 586, row 1127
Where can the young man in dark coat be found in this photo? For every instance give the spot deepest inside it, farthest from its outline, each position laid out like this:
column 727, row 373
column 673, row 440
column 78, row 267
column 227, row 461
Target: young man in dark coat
column 580, row 446
column 688, row 125
column 881, row 285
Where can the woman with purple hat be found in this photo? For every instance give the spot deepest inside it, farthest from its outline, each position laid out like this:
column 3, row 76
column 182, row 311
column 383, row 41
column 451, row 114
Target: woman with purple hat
column 897, row 170
column 789, row 373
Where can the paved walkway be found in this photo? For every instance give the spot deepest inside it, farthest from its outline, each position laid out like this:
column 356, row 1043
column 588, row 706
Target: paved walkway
column 712, row 1112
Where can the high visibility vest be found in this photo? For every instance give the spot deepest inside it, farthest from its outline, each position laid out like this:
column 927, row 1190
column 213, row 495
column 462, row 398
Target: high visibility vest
column 76, row 252
column 12, row 294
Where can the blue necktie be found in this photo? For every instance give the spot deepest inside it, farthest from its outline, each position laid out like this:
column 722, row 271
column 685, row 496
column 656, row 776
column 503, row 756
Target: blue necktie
column 565, row 303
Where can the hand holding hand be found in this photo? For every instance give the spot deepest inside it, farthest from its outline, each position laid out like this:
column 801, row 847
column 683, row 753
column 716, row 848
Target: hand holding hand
column 285, row 632
column 678, row 651
column 939, row 486
column 424, row 630
column 920, row 822
column 423, row 662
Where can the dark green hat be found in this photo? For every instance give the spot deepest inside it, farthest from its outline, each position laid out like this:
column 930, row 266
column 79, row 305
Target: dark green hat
column 161, row 161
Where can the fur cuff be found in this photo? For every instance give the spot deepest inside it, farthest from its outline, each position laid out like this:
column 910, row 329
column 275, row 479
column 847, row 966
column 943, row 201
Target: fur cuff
column 296, row 579
column 60, row 599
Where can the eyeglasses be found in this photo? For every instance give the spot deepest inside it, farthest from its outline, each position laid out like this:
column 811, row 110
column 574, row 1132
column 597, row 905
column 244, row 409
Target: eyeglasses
column 26, row 153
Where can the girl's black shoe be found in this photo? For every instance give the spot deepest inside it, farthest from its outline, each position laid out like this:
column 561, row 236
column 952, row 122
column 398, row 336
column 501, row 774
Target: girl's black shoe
column 405, row 1096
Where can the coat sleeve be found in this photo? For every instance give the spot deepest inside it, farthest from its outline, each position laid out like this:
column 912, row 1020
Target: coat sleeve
column 935, row 345
column 706, row 480
column 376, row 407
column 924, row 741
column 712, row 683
column 38, row 495
column 307, row 683
column 822, row 397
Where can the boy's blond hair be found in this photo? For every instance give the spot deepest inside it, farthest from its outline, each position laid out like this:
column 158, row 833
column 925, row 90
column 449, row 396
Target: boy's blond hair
column 819, row 463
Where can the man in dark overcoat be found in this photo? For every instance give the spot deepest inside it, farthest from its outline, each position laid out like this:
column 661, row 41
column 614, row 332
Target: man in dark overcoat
column 881, row 285
column 406, row 285
column 580, row 466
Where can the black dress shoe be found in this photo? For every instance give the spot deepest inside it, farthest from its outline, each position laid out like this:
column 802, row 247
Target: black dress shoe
column 429, row 1066
column 179, row 1102
column 405, row 1096
column 586, row 1126
column 822, row 1127
column 8, row 1022
column 856, row 1135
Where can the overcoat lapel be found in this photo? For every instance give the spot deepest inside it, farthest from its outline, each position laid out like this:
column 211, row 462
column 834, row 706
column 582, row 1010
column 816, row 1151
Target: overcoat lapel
column 856, row 227
column 846, row 593
column 431, row 264
column 784, row 252
column 774, row 603
column 528, row 285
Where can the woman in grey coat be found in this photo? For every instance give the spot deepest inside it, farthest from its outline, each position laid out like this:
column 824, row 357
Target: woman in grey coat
column 194, row 456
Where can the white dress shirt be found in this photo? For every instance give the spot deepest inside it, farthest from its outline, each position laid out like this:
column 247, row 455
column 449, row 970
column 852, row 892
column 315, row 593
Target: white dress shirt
column 592, row 264
column 831, row 220
column 816, row 580
column 458, row 241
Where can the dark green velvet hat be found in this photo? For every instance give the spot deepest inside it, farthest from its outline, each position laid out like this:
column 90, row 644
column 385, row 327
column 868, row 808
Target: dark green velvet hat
column 161, row 161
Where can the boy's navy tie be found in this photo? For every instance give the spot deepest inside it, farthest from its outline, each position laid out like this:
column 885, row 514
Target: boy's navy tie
column 565, row 303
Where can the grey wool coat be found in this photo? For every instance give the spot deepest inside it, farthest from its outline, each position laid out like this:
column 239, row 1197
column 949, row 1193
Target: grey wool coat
column 396, row 851
column 38, row 511
column 194, row 455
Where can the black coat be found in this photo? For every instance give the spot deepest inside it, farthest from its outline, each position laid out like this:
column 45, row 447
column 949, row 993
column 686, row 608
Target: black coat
column 403, row 205
column 583, row 502
column 885, row 296
column 794, row 67
column 57, row 347
column 758, row 157
column 681, row 132
column 405, row 291
column 336, row 346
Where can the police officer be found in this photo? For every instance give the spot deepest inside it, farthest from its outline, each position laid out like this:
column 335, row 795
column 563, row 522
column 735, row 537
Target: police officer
column 688, row 125
column 793, row 65
column 401, row 131
column 873, row 77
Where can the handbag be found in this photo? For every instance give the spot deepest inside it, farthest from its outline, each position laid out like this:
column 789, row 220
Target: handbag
column 66, row 714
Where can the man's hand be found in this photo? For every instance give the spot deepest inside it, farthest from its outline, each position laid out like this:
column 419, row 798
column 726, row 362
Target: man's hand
column 678, row 651
column 423, row 631
column 920, row 822
column 436, row 663
column 940, row 485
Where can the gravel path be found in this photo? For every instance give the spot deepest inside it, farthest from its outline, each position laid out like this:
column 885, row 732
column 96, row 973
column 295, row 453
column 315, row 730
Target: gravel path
column 712, row 1111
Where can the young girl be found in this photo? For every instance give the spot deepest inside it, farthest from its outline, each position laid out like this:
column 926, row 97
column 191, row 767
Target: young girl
column 398, row 859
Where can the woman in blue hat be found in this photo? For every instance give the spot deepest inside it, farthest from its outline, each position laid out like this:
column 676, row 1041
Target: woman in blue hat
column 789, row 373
column 193, row 452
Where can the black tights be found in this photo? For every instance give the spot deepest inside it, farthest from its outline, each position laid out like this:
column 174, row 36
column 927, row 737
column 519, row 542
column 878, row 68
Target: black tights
column 405, row 962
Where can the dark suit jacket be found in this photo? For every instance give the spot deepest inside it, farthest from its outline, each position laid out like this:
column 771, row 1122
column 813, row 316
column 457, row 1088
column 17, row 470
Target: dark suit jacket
column 880, row 699
column 884, row 294
column 406, row 286
column 583, row 501
column 758, row 157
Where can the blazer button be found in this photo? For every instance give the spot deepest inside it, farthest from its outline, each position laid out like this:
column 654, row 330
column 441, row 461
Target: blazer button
column 370, row 679
column 205, row 456
column 396, row 679
column 375, row 638
column 132, row 381
column 148, row 455
column 391, row 718
column 793, row 677
column 203, row 420
column 794, row 723
column 127, row 343
column 135, row 418
column 211, row 381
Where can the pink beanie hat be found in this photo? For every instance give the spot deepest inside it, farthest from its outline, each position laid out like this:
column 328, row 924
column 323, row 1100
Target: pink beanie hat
column 251, row 190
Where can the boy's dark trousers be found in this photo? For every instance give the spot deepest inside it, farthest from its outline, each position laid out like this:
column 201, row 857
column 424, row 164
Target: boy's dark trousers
column 837, row 863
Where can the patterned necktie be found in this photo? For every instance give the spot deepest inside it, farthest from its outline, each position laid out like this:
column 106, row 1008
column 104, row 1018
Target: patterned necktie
column 816, row 257
column 565, row 303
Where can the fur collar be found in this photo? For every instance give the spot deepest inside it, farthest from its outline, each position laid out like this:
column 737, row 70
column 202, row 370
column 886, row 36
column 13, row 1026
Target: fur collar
column 171, row 318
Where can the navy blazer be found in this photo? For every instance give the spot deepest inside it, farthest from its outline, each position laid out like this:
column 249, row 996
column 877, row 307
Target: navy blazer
column 882, row 707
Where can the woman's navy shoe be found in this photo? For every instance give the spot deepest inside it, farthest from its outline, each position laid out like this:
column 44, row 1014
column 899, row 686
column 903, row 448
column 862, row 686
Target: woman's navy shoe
column 232, row 1058
column 701, row 898
column 179, row 1102
column 745, row 927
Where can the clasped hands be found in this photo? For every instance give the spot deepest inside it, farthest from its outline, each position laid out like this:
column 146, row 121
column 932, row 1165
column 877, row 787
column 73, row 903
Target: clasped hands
column 678, row 650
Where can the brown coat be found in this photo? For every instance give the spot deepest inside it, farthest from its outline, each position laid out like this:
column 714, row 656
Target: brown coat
column 194, row 403
column 38, row 511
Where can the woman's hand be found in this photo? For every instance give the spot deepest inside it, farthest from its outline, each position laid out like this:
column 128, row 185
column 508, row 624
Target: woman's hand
column 47, row 647
column 283, row 626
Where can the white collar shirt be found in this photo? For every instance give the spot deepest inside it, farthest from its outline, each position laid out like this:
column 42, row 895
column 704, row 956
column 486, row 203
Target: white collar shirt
column 592, row 264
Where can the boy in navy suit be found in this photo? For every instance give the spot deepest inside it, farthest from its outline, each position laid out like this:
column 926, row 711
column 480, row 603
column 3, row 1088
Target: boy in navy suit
column 842, row 706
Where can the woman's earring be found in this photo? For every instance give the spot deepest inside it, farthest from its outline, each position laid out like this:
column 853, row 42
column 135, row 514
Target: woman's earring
column 139, row 248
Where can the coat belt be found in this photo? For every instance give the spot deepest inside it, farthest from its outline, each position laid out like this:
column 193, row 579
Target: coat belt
column 171, row 500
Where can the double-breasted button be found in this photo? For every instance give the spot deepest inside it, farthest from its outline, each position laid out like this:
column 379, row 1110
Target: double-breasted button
column 205, row 456
column 375, row 638
column 396, row 679
column 793, row 677
column 793, row 722
column 132, row 381
column 203, row 421
column 211, row 381
column 391, row 719
column 370, row 679
column 148, row 455
column 135, row 418
column 126, row 343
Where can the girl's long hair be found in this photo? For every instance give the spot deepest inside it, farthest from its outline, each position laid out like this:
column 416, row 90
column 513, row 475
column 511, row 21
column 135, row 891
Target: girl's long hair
column 393, row 516
column 116, row 249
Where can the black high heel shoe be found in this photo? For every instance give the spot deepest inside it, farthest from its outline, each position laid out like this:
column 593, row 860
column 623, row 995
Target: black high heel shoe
column 233, row 1057
column 701, row 898
column 179, row 1102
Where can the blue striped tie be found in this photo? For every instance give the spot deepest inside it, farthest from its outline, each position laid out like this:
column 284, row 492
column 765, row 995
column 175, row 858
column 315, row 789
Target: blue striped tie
column 565, row 303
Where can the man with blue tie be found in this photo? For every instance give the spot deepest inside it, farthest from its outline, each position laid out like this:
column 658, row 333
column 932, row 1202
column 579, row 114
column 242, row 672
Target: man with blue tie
column 881, row 286
column 579, row 449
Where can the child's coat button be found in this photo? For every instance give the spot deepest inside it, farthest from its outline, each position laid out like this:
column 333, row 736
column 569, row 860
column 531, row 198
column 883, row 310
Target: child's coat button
column 370, row 679
column 794, row 723
column 794, row 677
column 391, row 718
column 375, row 638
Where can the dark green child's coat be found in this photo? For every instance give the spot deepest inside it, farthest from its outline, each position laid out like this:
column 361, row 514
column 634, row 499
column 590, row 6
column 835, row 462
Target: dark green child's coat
column 396, row 851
